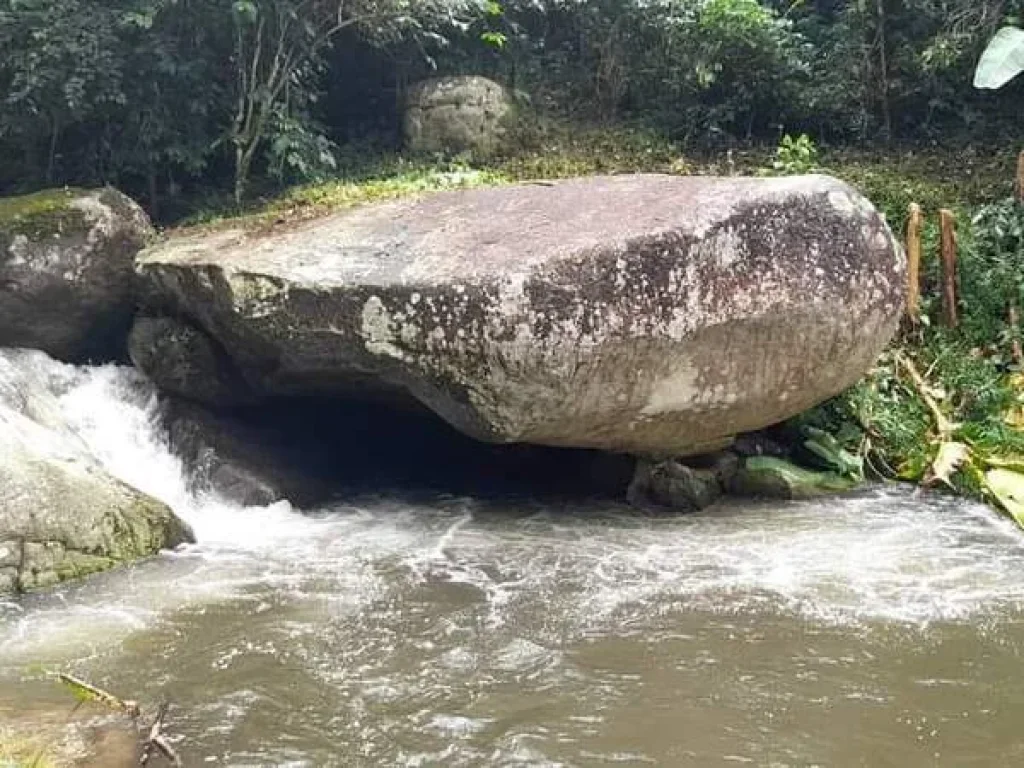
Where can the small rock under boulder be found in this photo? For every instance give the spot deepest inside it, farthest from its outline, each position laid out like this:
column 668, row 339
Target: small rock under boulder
column 653, row 315
column 456, row 115
column 66, row 272
column 671, row 484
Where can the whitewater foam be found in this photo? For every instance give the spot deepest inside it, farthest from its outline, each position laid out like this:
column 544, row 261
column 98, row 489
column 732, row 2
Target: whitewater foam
column 883, row 555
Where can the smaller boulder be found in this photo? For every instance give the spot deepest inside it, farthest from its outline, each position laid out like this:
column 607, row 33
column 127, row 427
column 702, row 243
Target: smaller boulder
column 67, row 272
column 63, row 517
column 456, row 115
column 682, row 487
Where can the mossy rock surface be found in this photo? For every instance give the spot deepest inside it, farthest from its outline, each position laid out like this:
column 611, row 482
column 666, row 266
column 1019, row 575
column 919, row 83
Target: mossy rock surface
column 62, row 516
column 775, row 478
column 67, row 271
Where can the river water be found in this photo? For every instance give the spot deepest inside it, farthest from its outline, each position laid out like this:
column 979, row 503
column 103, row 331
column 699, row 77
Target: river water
column 883, row 629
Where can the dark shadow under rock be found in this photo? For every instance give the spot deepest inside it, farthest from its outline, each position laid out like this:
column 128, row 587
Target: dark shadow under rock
column 312, row 450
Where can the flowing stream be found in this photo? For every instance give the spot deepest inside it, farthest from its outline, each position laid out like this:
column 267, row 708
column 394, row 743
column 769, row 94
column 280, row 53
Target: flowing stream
column 883, row 629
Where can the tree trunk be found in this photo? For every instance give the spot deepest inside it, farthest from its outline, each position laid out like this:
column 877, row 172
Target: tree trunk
column 241, row 175
column 1020, row 178
column 51, row 158
column 883, row 64
column 154, row 202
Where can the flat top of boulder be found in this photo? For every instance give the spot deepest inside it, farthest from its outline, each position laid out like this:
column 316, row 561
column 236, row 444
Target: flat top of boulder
column 489, row 232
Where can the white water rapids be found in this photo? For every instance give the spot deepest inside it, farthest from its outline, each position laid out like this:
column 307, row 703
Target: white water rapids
column 484, row 632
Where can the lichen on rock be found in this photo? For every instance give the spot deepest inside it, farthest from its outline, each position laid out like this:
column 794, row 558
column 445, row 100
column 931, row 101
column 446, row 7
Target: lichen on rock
column 653, row 315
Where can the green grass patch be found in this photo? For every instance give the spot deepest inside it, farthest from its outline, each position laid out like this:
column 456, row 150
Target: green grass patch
column 19, row 752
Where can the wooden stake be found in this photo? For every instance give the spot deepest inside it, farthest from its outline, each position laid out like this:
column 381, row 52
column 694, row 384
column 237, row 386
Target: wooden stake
column 947, row 225
column 1020, row 177
column 1014, row 320
column 914, row 224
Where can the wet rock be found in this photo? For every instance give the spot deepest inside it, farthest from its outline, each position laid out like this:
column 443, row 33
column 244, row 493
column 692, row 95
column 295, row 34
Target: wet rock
column 59, row 732
column 772, row 477
column 456, row 115
column 674, row 485
column 185, row 361
column 685, row 487
column 245, row 462
column 66, row 276
column 651, row 315
column 62, row 516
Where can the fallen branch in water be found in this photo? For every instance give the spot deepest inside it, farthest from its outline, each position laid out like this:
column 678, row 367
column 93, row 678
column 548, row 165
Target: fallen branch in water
column 88, row 692
column 155, row 743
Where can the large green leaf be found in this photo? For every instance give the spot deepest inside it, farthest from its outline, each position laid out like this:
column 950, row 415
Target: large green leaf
column 1008, row 489
column 1002, row 61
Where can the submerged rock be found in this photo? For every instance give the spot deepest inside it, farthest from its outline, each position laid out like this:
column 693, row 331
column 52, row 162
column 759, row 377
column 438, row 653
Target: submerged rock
column 245, row 462
column 645, row 314
column 66, row 272
column 775, row 478
column 60, row 732
column 62, row 516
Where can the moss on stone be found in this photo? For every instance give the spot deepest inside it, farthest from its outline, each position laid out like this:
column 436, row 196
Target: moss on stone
column 38, row 215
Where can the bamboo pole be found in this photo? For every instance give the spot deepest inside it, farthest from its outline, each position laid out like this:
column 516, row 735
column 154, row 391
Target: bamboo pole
column 914, row 225
column 1013, row 317
column 1020, row 177
column 947, row 225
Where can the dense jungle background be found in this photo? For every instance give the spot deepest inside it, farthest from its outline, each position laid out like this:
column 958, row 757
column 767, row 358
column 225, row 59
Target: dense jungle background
column 277, row 109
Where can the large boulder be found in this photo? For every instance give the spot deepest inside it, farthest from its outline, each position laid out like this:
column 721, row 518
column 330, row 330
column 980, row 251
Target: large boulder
column 645, row 314
column 66, row 276
column 456, row 115
column 62, row 515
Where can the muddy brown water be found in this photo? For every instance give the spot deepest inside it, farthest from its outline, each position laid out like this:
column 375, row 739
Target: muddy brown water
column 881, row 629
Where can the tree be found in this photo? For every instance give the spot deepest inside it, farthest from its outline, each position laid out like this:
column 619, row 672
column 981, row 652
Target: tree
column 278, row 50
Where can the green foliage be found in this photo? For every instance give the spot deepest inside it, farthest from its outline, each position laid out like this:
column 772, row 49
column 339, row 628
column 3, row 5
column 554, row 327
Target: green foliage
column 796, row 155
column 177, row 100
column 1002, row 60
column 992, row 276
column 829, row 450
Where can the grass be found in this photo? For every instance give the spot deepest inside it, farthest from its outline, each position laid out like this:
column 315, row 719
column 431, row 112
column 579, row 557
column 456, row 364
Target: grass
column 17, row 752
column 546, row 149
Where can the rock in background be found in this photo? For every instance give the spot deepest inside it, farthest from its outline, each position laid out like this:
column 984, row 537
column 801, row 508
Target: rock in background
column 456, row 115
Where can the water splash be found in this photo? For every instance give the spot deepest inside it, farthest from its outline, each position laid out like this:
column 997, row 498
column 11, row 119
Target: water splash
column 883, row 555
